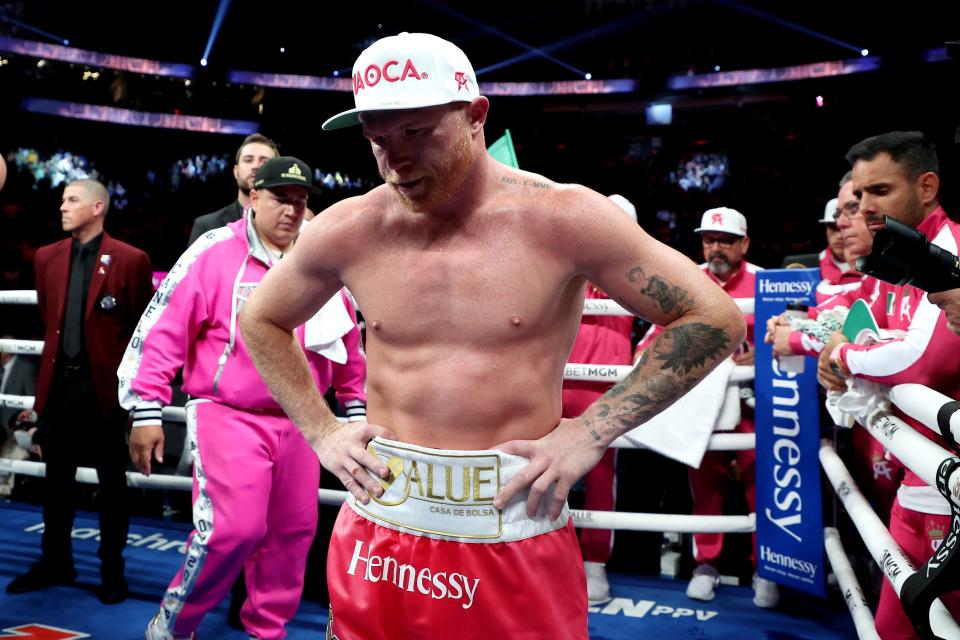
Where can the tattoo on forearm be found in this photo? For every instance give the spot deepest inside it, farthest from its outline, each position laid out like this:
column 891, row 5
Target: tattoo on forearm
column 634, row 400
column 691, row 345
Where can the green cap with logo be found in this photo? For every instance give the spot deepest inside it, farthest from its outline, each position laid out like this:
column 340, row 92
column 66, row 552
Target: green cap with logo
column 284, row 171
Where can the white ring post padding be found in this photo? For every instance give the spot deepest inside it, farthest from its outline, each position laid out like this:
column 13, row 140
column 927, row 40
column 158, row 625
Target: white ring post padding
column 852, row 593
column 583, row 519
column 922, row 403
column 886, row 553
column 23, row 347
column 606, row 307
column 920, row 454
column 16, row 402
column 18, row 297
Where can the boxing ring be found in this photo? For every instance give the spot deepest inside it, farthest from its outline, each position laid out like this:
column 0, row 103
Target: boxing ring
column 931, row 462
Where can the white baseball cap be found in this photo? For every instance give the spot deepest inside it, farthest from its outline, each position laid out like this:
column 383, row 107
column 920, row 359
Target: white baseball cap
column 625, row 204
column 408, row 71
column 830, row 211
column 724, row 220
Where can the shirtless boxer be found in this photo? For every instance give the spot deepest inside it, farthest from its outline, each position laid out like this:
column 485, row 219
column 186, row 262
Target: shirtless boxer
column 471, row 276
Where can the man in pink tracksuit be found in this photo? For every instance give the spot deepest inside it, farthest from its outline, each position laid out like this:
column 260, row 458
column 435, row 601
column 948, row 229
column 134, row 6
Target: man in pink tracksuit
column 255, row 477
column 897, row 174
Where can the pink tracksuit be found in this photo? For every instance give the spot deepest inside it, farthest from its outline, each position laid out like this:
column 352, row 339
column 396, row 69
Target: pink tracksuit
column 255, row 477
column 600, row 340
column 924, row 355
column 707, row 482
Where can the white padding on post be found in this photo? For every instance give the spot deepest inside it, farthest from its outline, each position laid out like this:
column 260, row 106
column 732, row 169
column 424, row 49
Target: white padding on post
column 852, row 593
column 886, row 553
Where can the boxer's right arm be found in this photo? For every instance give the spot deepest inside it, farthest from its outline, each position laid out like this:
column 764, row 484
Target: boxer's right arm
column 285, row 299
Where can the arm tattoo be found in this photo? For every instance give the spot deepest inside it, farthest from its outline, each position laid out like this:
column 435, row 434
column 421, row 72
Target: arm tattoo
column 671, row 298
column 693, row 344
column 642, row 394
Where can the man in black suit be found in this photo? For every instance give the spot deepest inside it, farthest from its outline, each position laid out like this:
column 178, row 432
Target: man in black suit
column 19, row 379
column 91, row 290
column 255, row 150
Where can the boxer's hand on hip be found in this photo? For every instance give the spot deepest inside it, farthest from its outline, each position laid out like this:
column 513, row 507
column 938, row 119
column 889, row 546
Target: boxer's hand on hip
column 342, row 450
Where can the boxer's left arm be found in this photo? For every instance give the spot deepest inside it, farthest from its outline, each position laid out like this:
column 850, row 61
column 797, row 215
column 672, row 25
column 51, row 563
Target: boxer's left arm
column 702, row 327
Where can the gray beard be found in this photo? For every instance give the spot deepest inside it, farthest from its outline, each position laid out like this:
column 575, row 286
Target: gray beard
column 719, row 268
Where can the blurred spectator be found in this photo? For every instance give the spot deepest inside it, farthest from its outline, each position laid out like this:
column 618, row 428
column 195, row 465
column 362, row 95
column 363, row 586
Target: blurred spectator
column 253, row 152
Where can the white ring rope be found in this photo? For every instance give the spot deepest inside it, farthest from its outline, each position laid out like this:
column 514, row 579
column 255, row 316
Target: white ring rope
column 22, row 347
column 886, row 553
column 718, row 441
column 852, row 593
column 585, row 519
column 18, row 297
column 606, row 307
column 591, row 307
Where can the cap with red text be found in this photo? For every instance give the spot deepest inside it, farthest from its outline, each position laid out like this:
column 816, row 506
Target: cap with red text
column 408, row 71
column 724, row 220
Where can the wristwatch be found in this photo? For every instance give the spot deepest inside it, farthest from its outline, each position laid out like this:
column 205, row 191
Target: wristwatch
column 837, row 365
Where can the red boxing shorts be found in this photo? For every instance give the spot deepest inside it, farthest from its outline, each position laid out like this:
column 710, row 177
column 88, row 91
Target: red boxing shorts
column 432, row 558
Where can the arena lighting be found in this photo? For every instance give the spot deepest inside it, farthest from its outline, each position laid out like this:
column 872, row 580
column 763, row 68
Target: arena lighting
column 35, row 49
column 443, row 7
column 588, row 76
column 214, row 30
column 826, row 69
column 819, row 101
column 769, row 17
column 114, row 115
column 40, row 32
column 613, row 26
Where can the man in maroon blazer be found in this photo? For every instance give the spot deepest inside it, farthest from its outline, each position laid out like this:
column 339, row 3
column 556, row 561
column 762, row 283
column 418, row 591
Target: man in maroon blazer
column 91, row 290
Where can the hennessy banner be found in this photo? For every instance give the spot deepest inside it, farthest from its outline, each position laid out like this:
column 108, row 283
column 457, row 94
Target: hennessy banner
column 789, row 516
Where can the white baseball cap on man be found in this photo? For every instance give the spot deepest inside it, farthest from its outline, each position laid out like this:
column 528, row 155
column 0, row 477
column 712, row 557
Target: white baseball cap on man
column 829, row 211
column 723, row 220
column 408, row 71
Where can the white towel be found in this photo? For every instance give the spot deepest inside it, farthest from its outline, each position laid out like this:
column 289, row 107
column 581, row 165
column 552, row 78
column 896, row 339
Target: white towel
column 682, row 431
column 323, row 332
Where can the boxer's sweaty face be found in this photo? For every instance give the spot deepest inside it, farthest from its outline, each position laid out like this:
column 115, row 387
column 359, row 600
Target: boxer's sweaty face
column 423, row 154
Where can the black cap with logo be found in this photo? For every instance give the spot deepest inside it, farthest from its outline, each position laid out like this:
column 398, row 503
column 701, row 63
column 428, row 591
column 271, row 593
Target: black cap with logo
column 282, row 171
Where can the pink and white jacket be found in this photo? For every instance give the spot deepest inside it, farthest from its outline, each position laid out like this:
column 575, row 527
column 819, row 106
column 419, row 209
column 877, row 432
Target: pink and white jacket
column 191, row 322
column 925, row 354
column 835, row 277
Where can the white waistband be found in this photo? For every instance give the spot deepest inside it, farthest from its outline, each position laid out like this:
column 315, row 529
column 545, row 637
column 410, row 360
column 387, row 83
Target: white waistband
column 448, row 495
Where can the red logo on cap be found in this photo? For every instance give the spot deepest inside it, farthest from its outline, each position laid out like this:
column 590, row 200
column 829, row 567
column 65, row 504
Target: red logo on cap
column 374, row 73
column 461, row 79
column 717, row 218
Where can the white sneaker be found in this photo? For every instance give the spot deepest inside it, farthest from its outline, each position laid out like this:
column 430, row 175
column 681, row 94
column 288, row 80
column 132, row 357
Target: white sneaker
column 156, row 630
column 598, row 587
column 766, row 593
column 703, row 585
